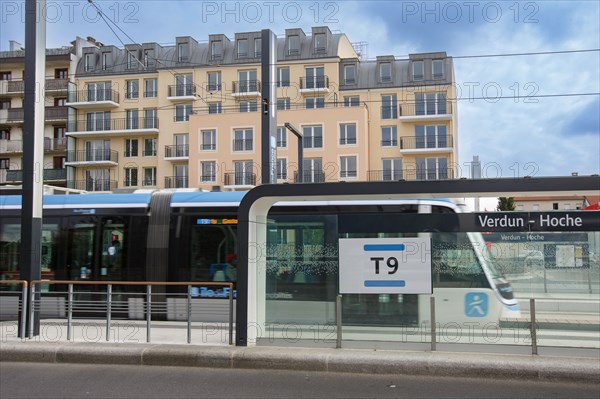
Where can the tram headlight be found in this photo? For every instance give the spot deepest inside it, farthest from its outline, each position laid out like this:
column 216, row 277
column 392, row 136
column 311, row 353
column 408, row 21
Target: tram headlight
column 504, row 288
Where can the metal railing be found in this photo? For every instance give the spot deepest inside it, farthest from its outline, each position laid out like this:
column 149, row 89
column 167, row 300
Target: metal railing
column 409, row 173
column 112, row 124
column 51, row 114
column 314, row 82
column 96, row 155
column 49, row 175
column 310, row 176
column 18, row 86
column 176, row 181
column 426, row 108
column 246, row 86
column 13, row 303
column 240, row 179
column 177, row 151
column 182, row 90
column 92, row 184
column 101, row 300
column 417, row 143
column 93, row 96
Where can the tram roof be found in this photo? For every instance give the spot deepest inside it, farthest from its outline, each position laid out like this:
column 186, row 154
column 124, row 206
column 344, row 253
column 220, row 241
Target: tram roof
column 82, row 200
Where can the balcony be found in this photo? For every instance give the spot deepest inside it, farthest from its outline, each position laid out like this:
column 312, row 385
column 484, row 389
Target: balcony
column 50, row 145
column 310, row 176
column 246, row 89
column 54, row 87
column 93, row 184
column 314, row 85
column 16, row 116
column 112, row 127
column 99, row 98
column 99, row 157
column 182, row 92
column 426, row 112
column 240, row 179
column 14, row 176
column 410, row 174
column 176, row 182
column 179, row 152
column 419, row 145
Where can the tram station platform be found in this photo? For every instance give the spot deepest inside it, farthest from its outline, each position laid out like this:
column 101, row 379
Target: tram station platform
column 168, row 348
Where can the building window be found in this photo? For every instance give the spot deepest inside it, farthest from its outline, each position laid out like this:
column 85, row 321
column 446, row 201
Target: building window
column 132, row 119
column 105, row 61
column 431, row 136
column 349, row 74
column 209, row 140
column 99, row 91
column 131, row 60
column 385, row 72
column 430, row 104
column 320, row 43
column 216, row 49
column 555, row 206
column 131, row 177
column 184, row 85
column 283, row 104
column 257, row 48
column 149, row 60
column 183, row 52
column 244, row 173
column 133, row 88
column 4, row 104
column 418, row 70
column 88, row 62
column 61, row 73
column 149, row 147
column 60, row 140
column 131, row 148
column 392, row 169
column 98, row 121
column 4, row 134
column 247, row 81
column 312, row 171
column 150, row 119
column 149, row 177
column 248, row 106
column 6, row 75
column 347, row 133
column 4, row 163
column 347, row 167
column 215, row 108
column 209, row 171
column 150, row 88
column 536, row 207
column 283, row 77
column 389, row 136
column 242, row 139
column 432, row 168
column 315, row 78
column 281, row 137
column 182, row 112
column 351, row 101
column 281, row 169
column 293, row 45
column 389, row 110
column 437, row 69
column 242, row 48
column 214, row 81
column 314, row 102
column 312, row 136
column 60, row 102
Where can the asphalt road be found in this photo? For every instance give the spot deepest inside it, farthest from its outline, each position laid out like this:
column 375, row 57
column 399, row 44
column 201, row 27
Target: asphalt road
column 31, row 380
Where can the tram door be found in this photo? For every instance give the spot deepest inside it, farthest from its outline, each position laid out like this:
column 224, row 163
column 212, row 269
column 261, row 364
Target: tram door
column 80, row 255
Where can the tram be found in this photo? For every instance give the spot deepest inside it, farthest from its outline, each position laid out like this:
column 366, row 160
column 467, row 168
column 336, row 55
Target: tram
column 192, row 236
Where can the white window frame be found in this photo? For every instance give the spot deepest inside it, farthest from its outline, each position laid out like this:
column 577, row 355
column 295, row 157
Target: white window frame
column 149, row 181
column 281, row 137
column 393, row 136
column 132, row 89
column 310, row 139
column 343, row 129
column 131, row 148
column 416, row 65
column 208, row 140
column 389, row 102
column 242, row 52
column 208, row 171
column 131, row 177
column 346, row 170
column 386, row 78
column 283, row 104
column 441, row 64
column 153, row 142
column 391, row 167
column 152, row 91
column 246, row 137
column 314, row 102
column 186, row 110
column 282, row 81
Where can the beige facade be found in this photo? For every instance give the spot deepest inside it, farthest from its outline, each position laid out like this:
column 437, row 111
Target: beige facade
column 551, row 203
column 188, row 115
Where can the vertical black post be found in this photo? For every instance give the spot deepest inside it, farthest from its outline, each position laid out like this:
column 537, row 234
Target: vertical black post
column 33, row 150
column 268, row 137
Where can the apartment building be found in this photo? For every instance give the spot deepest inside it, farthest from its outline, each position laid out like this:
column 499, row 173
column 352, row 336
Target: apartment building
column 187, row 115
column 60, row 62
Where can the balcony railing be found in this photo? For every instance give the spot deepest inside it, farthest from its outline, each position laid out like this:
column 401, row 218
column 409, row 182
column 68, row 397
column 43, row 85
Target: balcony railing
column 177, row 151
column 310, row 176
column 240, row 179
column 410, row 174
column 433, row 142
column 49, row 175
column 176, row 182
column 314, row 82
column 426, row 108
column 93, row 184
column 98, row 155
column 97, row 95
column 182, row 90
column 104, row 124
column 242, row 145
column 246, row 86
column 18, row 86
column 234, row 109
column 312, row 142
column 51, row 114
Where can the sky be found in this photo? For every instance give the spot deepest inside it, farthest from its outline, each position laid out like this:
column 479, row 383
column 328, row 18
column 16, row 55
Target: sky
column 535, row 115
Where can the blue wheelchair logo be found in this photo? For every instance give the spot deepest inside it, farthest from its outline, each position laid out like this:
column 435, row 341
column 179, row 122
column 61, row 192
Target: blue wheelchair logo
column 476, row 304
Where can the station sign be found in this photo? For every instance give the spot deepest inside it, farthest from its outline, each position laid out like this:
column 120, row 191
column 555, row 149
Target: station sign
column 385, row 265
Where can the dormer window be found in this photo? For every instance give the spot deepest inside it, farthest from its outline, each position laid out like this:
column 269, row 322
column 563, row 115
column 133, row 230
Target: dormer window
column 242, row 48
column 437, row 69
column 293, row 45
column 183, row 52
column 131, row 61
column 88, row 62
column 320, row 43
column 349, row 74
column 257, row 48
column 385, row 72
column 105, row 61
column 216, row 50
column 149, row 60
column 418, row 70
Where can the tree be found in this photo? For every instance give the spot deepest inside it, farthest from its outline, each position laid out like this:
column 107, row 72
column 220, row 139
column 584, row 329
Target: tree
column 506, row 204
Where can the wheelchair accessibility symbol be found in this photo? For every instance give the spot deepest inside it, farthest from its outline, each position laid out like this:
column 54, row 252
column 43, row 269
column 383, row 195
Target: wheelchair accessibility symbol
column 476, row 304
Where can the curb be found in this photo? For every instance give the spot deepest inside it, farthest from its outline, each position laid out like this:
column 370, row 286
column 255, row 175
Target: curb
column 309, row 359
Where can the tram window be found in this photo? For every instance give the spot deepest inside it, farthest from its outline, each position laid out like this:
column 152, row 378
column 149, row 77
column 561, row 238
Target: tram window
column 455, row 263
column 113, row 240
column 212, row 253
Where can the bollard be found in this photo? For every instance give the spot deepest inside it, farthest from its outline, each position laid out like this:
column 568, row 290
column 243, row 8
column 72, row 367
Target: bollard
column 108, row 310
column 231, row 315
column 189, row 314
column 532, row 327
column 69, row 311
column 148, row 310
column 432, row 317
column 22, row 333
column 338, row 321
